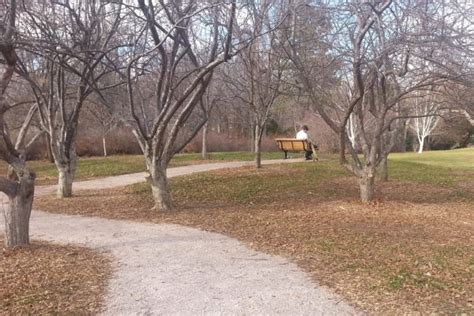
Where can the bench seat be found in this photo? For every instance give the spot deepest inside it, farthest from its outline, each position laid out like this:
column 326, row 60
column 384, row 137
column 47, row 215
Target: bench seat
column 294, row 145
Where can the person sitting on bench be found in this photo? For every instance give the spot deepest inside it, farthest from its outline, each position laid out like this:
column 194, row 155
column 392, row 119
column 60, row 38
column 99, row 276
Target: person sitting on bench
column 303, row 135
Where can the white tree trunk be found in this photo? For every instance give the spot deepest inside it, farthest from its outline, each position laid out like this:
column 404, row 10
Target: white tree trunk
column 66, row 165
column 426, row 123
column 104, row 145
column 351, row 131
column 17, row 214
column 421, row 144
column 204, row 153
column 66, row 178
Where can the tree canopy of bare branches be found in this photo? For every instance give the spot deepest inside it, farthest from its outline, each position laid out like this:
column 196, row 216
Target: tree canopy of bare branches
column 177, row 47
column 381, row 53
column 68, row 54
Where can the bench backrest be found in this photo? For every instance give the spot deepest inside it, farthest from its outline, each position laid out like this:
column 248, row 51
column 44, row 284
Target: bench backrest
column 292, row 144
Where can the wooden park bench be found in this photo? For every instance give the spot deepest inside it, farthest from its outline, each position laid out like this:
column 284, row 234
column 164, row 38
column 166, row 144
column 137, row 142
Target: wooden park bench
column 296, row 145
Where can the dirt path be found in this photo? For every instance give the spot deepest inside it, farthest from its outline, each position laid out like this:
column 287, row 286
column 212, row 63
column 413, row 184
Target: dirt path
column 171, row 269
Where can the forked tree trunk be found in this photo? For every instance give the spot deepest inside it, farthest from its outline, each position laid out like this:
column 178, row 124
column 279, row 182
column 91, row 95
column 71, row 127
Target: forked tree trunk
column 204, row 153
column 421, row 144
column 67, row 171
column 17, row 212
column 367, row 187
column 160, row 189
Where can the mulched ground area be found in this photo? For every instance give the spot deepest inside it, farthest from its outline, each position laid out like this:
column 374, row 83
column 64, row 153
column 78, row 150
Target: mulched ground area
column 411, row 252
column 51, row 279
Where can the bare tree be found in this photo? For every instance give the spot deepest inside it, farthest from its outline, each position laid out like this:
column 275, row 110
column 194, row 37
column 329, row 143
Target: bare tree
column 19, row 186
column 66, row 59
column 384, row 52
column 257, row 75
column 106, row 118
column 425, row 118
column 209, row 101
column 178, row 46
column 460, row 99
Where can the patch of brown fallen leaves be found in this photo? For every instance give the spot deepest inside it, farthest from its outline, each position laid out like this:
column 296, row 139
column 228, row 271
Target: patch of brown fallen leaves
column 49, row 279
column 412, row 252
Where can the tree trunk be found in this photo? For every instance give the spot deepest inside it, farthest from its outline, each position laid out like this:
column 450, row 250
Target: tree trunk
column 66, row 177
column 49, row 153
column 160, row 189
column 383, row 172
column 66, row 165
column 257, row 147
column 404, row 137
column 367, row 187
column 258, row 155
column 252, row 138
column 204, row 153
column 17, row 213
column 104, row 145
column 421, row 145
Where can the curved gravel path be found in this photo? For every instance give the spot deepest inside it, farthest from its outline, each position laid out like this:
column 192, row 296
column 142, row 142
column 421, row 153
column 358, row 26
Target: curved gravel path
column 176, row 270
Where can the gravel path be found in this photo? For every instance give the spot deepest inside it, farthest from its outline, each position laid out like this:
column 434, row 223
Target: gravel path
column 176, row 270
column 131, row 178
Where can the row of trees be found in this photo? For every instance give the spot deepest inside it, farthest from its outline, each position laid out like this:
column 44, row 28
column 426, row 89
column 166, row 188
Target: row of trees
column 164, row 68
column 155, row 59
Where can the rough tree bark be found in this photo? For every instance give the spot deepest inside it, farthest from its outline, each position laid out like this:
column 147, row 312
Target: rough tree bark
column 367, row 185
column 66, row 173
column 160, row 189
column 158, row 181
column 17, row 212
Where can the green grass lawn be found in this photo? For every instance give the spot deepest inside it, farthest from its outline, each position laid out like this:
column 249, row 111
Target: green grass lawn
column 445, row 168
column 456, row 159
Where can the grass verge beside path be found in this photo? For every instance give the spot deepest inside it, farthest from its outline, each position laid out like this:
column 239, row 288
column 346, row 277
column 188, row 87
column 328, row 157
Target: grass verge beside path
column 412, row 251
column 50, row 279
column 99, row 167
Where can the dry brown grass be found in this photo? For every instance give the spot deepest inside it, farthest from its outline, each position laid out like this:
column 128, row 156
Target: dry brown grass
column 411, row 252
column 51, row 279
